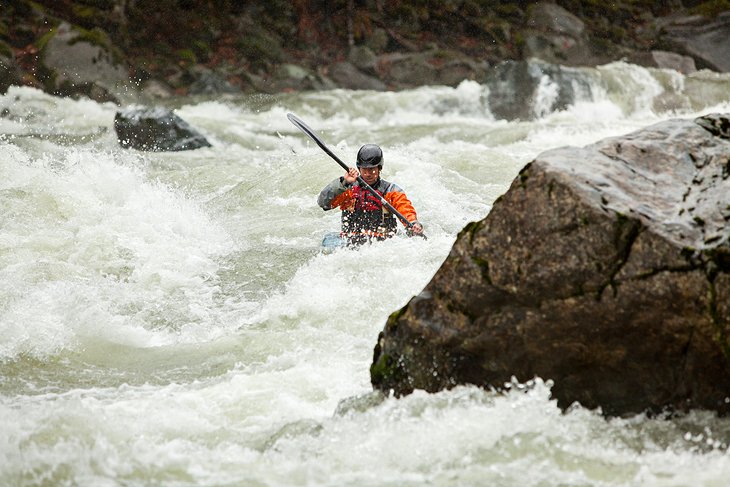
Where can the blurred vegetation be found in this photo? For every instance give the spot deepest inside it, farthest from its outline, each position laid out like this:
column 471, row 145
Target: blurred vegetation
column 159, row 37
column 712, row 8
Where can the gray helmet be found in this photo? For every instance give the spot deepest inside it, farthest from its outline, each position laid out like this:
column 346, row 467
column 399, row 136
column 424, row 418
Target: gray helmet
column 370, row 155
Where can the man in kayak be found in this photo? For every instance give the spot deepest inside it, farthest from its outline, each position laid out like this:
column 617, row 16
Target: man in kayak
column 363, row 215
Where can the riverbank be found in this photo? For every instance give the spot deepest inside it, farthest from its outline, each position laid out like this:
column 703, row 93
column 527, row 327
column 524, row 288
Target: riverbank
column 109, row 51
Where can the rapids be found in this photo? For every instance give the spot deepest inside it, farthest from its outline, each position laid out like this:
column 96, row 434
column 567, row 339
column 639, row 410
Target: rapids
column 168, row 319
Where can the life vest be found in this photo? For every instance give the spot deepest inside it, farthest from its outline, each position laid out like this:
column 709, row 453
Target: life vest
column 366, row 218
column 363, row 215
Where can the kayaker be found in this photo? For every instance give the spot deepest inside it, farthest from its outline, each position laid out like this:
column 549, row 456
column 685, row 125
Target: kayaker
column 364, row 218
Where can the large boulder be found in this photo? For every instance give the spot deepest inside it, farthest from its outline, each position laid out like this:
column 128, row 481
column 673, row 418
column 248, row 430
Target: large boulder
column 293, row 77
column 347, row 75
column 405, row 70
column 706, row 40
column 557, row 36
column 431, row 67
column 605, row 269
column 156, row 129
column 75, row 62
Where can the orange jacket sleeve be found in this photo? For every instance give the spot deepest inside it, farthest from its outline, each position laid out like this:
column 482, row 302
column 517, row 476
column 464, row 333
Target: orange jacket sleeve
column 343, row 200
column 400, row 202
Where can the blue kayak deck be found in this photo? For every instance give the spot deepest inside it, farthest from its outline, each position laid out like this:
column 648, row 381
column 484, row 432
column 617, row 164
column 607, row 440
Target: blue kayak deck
column 333, row 241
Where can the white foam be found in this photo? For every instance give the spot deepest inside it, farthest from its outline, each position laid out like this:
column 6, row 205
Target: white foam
column 168, row 319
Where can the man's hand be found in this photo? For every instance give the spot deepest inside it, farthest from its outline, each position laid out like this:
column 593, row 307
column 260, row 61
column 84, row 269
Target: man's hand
column 351, row 175
column 415, row 229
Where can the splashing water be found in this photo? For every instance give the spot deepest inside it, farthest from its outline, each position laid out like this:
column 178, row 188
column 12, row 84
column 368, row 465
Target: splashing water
column 168, row 318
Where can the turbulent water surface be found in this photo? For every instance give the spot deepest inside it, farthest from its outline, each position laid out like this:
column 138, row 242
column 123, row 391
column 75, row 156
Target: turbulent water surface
column 168, row 319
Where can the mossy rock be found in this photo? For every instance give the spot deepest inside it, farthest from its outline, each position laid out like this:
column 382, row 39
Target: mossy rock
column 201, row 49
column 187, row 56
column 94, row 36
column 260, row 48
column 43, row 41
column 84, row 12
column 510, row 11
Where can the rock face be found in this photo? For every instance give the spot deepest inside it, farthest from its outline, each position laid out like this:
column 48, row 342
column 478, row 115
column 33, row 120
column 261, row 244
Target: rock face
column 156, row 129
column 557, row 36
column 704, row 40
column 74, row 66
column 605, row 269
column 109, row 50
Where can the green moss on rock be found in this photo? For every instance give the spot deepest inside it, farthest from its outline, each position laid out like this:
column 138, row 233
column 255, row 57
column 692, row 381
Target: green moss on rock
column 187, row 56
column 392, row 322
column 45, row 38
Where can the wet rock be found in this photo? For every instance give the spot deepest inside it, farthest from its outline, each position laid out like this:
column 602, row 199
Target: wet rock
column 706, row 40
column 432, row 67
column 404, row 70
column 525, row 90
column 556, row 36
column 363, row 58
column 605, row 269
column 156, row 129
column 208, row 82
column 454, row 71
column 82, row 63
column 155, row 89
column 664, row 60
column 346, row 75
column 377, row 40
column 9, row 73
column 292, row 77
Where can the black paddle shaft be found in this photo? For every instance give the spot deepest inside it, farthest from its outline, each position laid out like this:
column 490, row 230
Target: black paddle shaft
column 304, row 128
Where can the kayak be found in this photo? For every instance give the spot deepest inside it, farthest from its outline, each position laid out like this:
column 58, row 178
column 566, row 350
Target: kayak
column 332, row 241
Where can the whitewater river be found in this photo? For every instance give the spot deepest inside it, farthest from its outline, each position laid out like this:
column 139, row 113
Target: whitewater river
column 168, row 319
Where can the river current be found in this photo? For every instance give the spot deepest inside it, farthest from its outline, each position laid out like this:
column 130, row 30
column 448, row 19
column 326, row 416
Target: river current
column 168, row 319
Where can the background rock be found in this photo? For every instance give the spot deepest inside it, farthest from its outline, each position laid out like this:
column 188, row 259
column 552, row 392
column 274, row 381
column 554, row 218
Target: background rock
column 708, row 42
column 72, row 65
column 664, row 60
column 556, row 36
column 604, row 269
column 346, row 75
column 403, row 69
column 209, row 48
column 208, row 82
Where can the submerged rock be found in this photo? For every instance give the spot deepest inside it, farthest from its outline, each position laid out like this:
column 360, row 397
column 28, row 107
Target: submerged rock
column 156, row 129
column 605, row 269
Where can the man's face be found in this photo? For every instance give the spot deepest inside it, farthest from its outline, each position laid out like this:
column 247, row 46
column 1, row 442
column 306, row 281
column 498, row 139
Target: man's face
column 370, row 174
